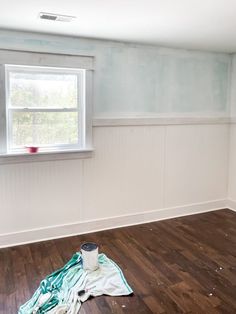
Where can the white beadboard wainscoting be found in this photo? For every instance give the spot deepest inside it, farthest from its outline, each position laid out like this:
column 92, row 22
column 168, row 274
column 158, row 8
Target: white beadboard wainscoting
column 138, row 173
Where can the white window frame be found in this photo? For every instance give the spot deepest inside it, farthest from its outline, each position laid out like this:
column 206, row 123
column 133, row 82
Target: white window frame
column 83, row 66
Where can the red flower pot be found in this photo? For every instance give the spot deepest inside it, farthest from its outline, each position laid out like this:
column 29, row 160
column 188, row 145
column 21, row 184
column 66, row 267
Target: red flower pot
column 32, row 149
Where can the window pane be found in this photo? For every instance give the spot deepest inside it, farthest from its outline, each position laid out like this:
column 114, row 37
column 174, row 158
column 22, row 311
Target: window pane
column 44, row 128
column 28, row 89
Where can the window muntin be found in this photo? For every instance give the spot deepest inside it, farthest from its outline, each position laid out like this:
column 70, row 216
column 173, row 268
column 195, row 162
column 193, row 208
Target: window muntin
column 45, row 107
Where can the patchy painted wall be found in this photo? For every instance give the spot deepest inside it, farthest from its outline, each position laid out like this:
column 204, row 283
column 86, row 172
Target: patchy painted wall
column 233, row 88
column 138, row 79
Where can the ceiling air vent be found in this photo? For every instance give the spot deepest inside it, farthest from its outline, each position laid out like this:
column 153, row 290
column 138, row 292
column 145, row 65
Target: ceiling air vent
column 55, row 17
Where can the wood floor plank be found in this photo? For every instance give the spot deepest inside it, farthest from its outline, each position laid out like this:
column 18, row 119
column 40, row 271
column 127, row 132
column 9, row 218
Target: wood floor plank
column 182, row 265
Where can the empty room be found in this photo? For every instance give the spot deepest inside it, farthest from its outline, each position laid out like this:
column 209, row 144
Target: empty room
column 117, row 157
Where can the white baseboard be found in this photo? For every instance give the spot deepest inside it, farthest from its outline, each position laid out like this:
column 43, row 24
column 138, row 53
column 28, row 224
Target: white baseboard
column 54, row 232
column 231, row 204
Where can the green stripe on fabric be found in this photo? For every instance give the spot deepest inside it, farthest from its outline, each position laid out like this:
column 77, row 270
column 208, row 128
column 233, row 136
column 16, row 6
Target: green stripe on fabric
column 52, row 284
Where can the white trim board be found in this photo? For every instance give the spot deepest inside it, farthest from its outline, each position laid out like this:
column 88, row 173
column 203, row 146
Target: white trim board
column 61, row 231
column 32, row 58
column 46, row 156
column 157, row 120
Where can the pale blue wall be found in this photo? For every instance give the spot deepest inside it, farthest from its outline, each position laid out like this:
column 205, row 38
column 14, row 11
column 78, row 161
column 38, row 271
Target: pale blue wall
column 142, row 79
column 233, row 87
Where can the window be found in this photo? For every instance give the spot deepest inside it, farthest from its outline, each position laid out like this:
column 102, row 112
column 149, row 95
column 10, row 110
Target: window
column 48, row 107
column 45, row 107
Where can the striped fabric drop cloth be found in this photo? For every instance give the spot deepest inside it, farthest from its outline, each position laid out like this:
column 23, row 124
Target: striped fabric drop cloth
column 64, row 290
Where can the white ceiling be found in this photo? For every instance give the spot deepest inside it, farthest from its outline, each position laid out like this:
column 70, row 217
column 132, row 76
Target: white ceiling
column 197, row 24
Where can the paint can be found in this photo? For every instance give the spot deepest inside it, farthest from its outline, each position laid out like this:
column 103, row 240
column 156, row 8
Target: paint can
column 89, row 252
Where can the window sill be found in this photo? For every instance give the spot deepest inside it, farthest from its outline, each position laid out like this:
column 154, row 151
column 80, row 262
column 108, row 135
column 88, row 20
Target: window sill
column 22, row 157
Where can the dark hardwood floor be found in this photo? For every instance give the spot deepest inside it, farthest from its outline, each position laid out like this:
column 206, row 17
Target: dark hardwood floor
column 183, row 265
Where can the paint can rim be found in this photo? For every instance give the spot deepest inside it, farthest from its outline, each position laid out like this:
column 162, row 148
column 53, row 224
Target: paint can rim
column 89, row 246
